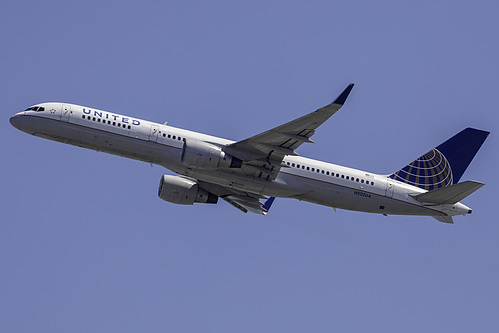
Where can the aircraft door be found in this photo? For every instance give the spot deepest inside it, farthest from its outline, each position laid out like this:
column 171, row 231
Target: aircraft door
column 65, row 112
column 390, row 188
column 153, row 135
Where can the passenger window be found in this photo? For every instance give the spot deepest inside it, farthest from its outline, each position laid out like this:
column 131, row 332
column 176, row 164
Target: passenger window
column 129, row 127
column 174, row 137
column 308, row 168
column 348, row 178
column 98, row 120
column 342, row 176
column 293, row 165
column 362, row 181
column 83, row 116
column 114, row 123
column 93, row 118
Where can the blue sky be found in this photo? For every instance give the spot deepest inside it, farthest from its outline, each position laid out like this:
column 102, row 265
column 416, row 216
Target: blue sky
column 86, row 245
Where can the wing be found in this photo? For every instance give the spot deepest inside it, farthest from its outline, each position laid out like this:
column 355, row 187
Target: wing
column 244, row 201
column 265, row 151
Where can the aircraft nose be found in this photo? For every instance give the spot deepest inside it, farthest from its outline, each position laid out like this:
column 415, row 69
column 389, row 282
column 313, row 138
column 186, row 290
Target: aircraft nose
column 16, row 121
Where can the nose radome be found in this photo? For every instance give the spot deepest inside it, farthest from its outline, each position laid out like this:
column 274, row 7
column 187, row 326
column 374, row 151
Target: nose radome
column 16, row 121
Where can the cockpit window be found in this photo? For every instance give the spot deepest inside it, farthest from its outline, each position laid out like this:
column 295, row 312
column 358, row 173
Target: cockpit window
column 35, row 108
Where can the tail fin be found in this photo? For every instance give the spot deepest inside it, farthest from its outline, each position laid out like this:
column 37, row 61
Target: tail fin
column 444, row 165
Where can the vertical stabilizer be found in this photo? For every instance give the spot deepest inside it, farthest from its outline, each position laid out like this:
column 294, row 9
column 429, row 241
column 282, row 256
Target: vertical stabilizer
column 444, row 165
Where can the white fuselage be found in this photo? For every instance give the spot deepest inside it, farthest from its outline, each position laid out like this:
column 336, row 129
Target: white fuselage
column 299, row 177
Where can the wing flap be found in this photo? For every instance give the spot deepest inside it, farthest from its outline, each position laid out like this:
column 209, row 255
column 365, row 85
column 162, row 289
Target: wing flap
column 249, row 204
column 244, row 201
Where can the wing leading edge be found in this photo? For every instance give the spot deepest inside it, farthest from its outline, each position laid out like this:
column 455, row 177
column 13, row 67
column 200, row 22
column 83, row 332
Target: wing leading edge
column 265, row 151
column 283, row 140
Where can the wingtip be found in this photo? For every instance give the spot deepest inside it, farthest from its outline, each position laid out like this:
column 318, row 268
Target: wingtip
column 343, row 96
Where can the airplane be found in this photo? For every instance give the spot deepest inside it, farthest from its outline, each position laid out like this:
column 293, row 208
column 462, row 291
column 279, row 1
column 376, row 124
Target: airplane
column 249, row 174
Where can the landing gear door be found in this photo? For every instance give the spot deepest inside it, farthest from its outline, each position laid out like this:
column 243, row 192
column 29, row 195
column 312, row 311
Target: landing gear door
column 65, row 112
column 153, row 135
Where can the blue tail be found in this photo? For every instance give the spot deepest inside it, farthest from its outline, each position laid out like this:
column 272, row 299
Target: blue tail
column 445, row 164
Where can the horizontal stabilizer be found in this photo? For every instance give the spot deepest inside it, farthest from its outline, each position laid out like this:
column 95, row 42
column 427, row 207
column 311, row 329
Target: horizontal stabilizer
column 451, row 194
column 444, row 219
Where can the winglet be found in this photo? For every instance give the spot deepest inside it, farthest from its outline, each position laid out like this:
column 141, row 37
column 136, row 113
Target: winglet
column 267, row 204
column 343, row 96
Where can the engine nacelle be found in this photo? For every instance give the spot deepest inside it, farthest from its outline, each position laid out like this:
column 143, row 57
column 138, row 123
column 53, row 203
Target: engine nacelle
column 203, row 155
column 183, row 191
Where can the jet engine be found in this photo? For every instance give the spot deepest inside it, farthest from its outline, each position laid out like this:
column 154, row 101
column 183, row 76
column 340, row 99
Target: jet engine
column 203, row 155
column 183, row 191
